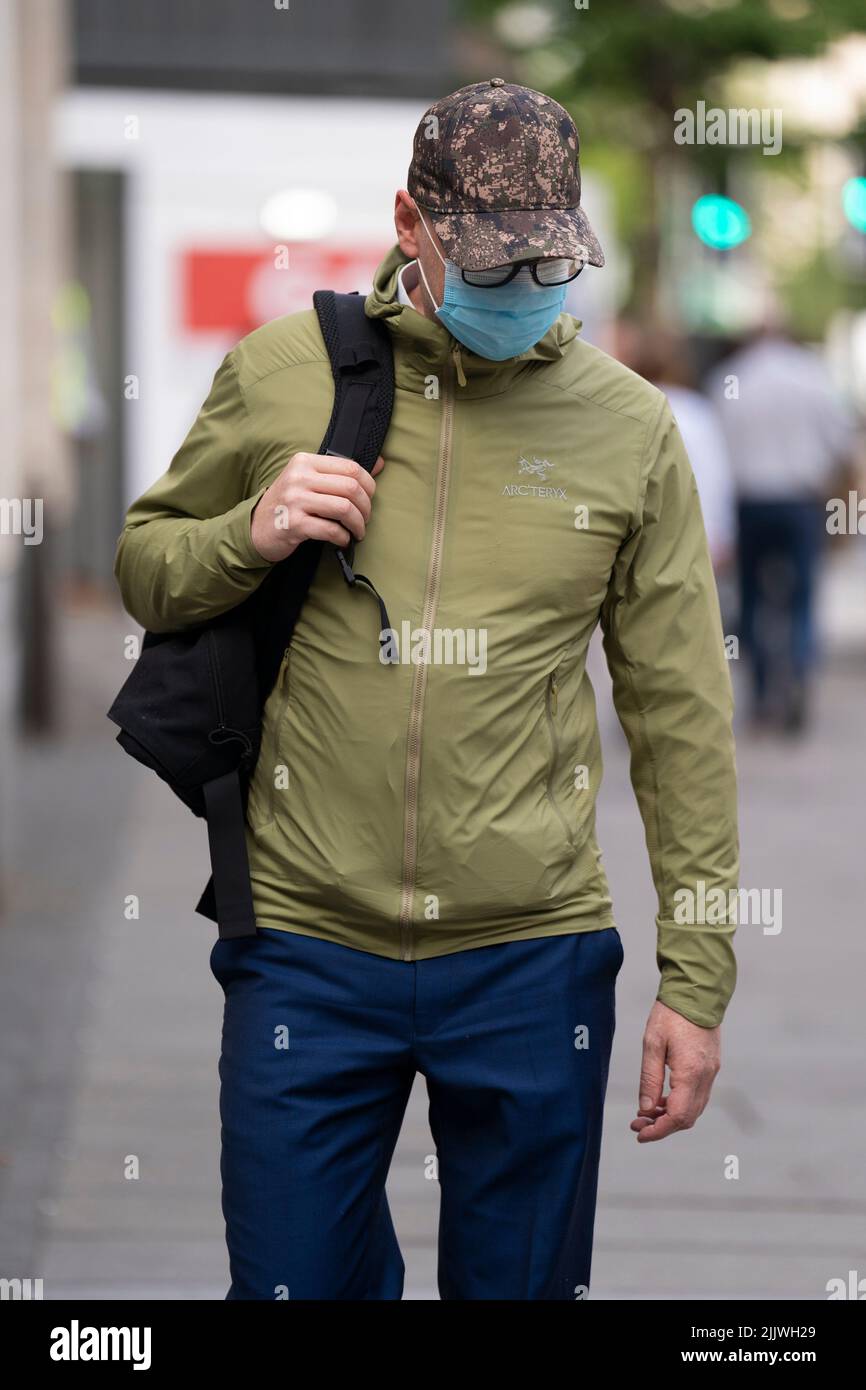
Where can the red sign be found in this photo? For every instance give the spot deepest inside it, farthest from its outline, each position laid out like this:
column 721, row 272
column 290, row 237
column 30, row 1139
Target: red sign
column 233, row 291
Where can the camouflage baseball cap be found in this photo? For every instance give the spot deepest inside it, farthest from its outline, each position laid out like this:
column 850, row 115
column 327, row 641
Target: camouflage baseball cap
column 497, row 167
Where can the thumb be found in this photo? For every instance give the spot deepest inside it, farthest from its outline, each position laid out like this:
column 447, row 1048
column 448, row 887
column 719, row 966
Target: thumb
column 377, row 466
column 652, row 1071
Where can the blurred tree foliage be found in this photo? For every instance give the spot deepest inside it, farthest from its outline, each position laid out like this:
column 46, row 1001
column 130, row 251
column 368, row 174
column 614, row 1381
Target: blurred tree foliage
column 625, row 66
column 665, row 53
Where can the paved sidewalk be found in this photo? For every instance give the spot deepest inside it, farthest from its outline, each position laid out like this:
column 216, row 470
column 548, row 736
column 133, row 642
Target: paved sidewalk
column 109, row 1033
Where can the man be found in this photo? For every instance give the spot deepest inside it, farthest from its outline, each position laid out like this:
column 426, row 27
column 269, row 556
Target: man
column 789, row 438
column 427, row 884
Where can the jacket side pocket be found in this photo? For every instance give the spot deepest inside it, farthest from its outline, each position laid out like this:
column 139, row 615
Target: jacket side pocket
column 551, row 700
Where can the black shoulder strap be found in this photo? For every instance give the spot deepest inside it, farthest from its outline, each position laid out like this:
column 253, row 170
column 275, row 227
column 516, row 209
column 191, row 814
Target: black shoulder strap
column 363, row 366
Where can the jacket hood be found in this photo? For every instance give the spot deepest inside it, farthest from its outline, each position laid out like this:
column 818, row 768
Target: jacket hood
column 425, row 346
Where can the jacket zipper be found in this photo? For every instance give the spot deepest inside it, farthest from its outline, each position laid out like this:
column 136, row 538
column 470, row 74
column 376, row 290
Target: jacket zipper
column 458, row 362
column 550, row 711
column 419, row 676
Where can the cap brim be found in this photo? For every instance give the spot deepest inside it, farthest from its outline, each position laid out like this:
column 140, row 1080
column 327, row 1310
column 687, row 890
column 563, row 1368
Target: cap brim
column 477, row 240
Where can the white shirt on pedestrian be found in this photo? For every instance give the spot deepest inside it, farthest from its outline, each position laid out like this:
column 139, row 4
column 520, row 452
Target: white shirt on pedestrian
column 786, row 428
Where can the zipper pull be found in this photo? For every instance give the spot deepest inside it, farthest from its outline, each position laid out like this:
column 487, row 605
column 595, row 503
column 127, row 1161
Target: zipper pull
column 553, row 690
column 458, row 363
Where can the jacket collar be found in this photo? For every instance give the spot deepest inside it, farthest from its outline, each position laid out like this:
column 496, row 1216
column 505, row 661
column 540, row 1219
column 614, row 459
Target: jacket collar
column 424, row 348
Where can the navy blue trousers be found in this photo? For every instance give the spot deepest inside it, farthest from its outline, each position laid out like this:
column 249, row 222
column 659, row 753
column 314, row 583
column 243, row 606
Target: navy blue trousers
column 320, row 1047
column 791, row 534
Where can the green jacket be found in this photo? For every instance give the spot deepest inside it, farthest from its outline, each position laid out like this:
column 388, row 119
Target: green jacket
column 448, row 800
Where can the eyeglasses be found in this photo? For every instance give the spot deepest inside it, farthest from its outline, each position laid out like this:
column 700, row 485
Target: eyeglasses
column 556, row 270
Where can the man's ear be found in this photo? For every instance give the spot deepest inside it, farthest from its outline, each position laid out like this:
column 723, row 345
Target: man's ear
column 406, row 222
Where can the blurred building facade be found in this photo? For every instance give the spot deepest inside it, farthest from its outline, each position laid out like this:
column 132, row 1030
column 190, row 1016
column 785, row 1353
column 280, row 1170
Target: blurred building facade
column 281, row 46
column 35, row 481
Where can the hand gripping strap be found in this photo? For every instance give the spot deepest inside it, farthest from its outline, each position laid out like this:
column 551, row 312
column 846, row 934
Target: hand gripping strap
column 363, row 367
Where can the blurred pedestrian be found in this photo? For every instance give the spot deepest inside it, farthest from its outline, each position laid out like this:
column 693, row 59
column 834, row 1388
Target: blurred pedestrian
column 662, row 358
column 789, row 435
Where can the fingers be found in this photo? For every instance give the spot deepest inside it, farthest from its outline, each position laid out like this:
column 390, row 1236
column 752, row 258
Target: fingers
column 316, row 497
column 344, row 485
column 654, row 1130
column 649, row 1116
column 652, row 1071
column 318, row 529
column 692, row 1056
column 330, row 465
column 336, row 507
column 641, row 1122
column 338, row 488
column 680, row 1109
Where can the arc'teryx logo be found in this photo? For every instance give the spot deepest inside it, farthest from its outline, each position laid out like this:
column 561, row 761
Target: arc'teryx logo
column 540, row 467
column 537, row 468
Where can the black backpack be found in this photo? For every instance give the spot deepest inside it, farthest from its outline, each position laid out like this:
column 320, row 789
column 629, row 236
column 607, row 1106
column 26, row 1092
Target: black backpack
column 191, row 709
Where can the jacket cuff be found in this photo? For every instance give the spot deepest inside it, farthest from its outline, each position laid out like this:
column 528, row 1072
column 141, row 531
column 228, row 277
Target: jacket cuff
column 235, row 547
column 698, row 970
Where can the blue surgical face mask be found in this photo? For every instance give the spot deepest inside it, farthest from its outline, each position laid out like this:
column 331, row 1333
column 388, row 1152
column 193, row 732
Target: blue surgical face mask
column 496, row 323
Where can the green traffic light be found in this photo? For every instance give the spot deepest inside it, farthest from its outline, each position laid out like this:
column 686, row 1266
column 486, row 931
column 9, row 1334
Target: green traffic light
column 720, row 222
column 854, row 202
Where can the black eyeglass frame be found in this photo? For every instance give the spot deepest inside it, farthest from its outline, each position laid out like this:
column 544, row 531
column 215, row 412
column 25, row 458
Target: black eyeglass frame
column 516, row 268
